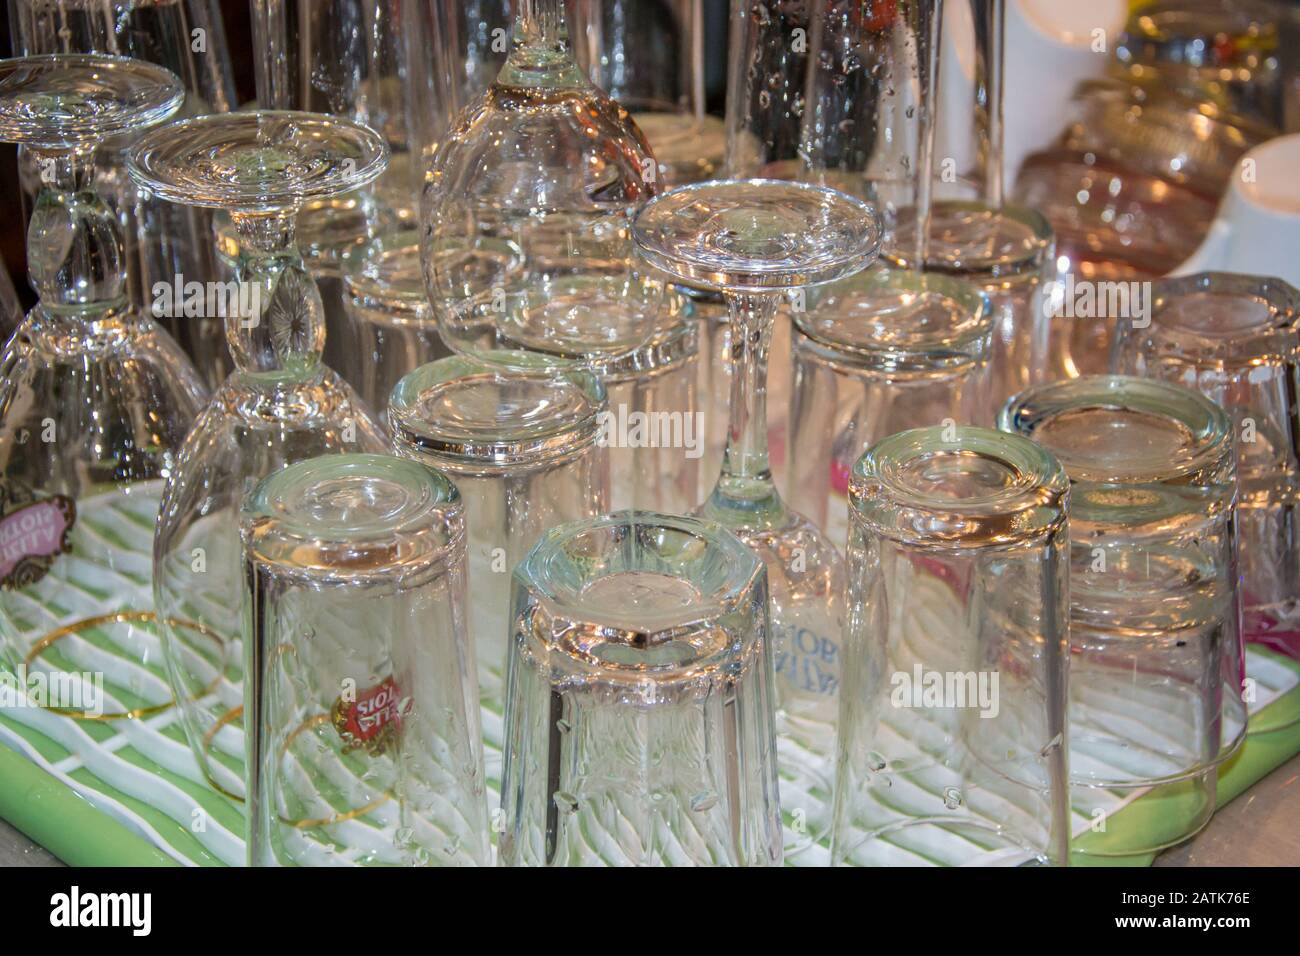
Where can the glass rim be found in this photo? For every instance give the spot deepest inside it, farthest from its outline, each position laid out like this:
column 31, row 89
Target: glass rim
column 1207, row 426
column 1036, row 256
column 744, row 575
column 906, row 349
column 666, row 350
column 1273, row 339
column 365, row 287
column 753, row 275
column 266, row 194
column 162, row 95
column 291, row 520
column 456, row 447
column 1030, row 503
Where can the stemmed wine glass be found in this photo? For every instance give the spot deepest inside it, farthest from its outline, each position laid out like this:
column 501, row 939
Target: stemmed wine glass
column 527, row 210
column 95, row 398
column 756, row 240
column 279, row 406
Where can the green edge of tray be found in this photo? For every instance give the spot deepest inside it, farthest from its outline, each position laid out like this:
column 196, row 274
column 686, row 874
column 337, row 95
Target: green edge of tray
column 55, row 816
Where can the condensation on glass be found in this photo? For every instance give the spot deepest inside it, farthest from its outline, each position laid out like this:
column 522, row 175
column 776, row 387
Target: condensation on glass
column 639, row 725
column 1156, row 676
column 363, row 732
column 952, row 731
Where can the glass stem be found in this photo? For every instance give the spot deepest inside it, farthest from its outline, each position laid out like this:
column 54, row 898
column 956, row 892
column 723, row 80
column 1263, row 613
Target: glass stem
column 539, row 51
column 75, row 258
column 746, row 474
column 277, row 322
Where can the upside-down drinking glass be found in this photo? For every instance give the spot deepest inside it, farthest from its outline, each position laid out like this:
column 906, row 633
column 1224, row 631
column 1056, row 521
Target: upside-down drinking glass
column 755, row 240
column 639, row 717
column 95, row 400
column 1234, row 339
column 522, row 442
column 952, row 733
column 527, row 210
column 875, row 354
column 654, row 428
column 280, row 405
column 1156, row 656
column 390, row 326
column 363, row 743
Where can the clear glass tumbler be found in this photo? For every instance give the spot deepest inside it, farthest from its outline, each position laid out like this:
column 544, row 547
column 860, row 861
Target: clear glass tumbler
column 391, row 330
column 876, row 354
column 639, row 713
column 1234, row 339
column 654, row 428
column 1156, row 657
column 952, row 733
column 523, row 448
column 363, row 742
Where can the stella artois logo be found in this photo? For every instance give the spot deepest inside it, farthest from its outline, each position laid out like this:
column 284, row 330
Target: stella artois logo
column 371, row 721
column 33, row 532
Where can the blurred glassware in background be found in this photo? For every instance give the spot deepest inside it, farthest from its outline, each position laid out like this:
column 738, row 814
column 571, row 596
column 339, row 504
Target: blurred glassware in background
column 1234, row 338
column 165, row 243
column 391, row 330
column 523, row 444
column 527, row 211
column 279, row 406
column 639, row 722
column 650, row 57
column 1131, row 184
column 911, row 349
column 1157, row 683
column 95, row 400
column 364, row 746
column 1220, row 51
column 952, row 744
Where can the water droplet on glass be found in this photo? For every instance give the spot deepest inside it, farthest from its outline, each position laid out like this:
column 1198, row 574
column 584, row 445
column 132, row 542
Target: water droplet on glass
column 951, row 798
column 563, row 726
column 876, row 762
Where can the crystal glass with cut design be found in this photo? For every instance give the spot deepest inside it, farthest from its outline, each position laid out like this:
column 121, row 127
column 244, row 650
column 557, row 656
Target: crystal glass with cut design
column 875, row 354
column 639, row 719
column 1234, row 339
column 363, row 744
column 952, row 746
column 1156, row 677
column 522, row 442
column 280, row 405
column 756, row 240
column 546, row 169
column 650, row 57
column 95, row 400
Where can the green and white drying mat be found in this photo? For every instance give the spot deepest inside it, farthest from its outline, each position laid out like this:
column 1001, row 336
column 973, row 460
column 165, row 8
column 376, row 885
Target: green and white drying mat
column 129, row 792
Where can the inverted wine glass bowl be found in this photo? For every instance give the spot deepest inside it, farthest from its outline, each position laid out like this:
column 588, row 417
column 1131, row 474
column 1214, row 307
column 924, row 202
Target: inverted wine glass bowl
column 72, row 100
column 755, row 235
column 257, row 162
